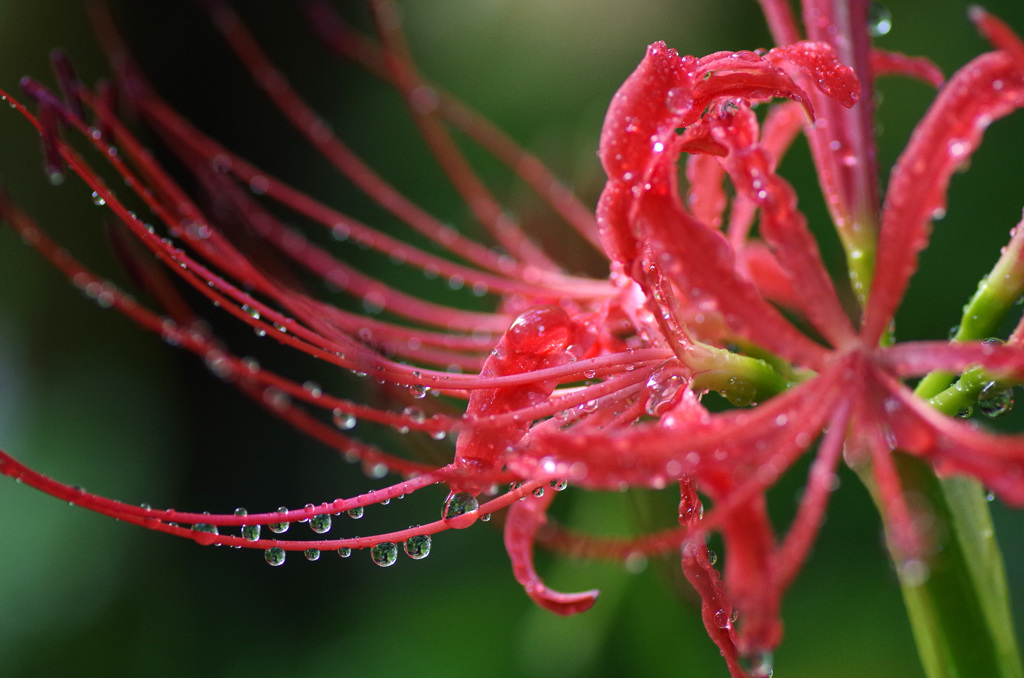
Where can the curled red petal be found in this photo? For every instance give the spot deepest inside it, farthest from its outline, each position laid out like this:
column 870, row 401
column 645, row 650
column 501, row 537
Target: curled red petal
column 699, row 260
column 668, row 92
column 760, row 442
column 917, row 358
column 998, row 33
column 750, row 577
column 988, row 88
column 715, row 607
column 525, row 518
column 818, row 60
column 954, row 446
column 752, row 171
column 884, row 62
column 763, row 268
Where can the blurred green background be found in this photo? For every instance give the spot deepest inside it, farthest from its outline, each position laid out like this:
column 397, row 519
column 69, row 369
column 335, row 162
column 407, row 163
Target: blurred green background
column 88, row 398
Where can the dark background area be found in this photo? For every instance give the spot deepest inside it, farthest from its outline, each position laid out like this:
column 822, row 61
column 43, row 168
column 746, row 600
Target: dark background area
column 87, row 397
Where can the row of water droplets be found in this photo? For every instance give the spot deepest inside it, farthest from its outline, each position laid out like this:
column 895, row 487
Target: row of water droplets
column 461, row 510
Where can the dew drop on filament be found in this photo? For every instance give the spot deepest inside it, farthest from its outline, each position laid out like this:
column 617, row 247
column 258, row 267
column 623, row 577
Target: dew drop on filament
column 344, row 421
column 320, row 523
column 460, row 510
column 418, row 547
column 384, row 554
column 282, row 527
column 274, row 556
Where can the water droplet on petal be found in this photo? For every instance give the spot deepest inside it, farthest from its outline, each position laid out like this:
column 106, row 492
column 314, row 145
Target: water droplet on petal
column 312, row 554
column 663, row 393
column 344, row 552
column 678, row 101
column 355, row 513
column 384, row 554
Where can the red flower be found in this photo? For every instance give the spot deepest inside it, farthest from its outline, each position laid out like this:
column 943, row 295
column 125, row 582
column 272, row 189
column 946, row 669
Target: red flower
column 598, row 384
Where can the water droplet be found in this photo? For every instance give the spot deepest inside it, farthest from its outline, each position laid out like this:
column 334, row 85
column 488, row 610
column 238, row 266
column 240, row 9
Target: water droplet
column 663, row 393
column 98, row 200
column 914, row 572
column 757, row 664
column 344, row 421
column 415, row 414
column 539, row 492
column 419, row 391
column 740, row 392
column 279, row 528
column 312, row 554
column 355, row 513
column 712, row 557
column 994, row 400
column 384, row 554
column 460, row 510
column 344, row 552
column 965, row 412
column 879, row 20
column 559, row 485
column 250, row 532
column 320, row 523
column 206, row 533
column 259, row 184
column 485, row 518
column 274, row 556
column 690, row 512
column 678, row 101
column 418, row 547
column 252, row 312
column 723, row 618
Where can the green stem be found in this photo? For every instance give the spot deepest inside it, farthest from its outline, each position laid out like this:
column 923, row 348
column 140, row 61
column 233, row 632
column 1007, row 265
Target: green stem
column 959, row 608
column 959, row 611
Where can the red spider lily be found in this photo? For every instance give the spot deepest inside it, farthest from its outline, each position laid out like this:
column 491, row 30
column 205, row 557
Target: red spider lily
column 595, row 383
